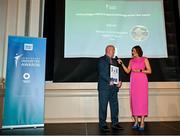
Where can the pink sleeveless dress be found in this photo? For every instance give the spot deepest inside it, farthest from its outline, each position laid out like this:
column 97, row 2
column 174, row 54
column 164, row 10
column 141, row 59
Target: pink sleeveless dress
column 138, row 88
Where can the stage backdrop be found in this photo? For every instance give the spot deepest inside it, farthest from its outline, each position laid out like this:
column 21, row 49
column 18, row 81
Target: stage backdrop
column 24, row 93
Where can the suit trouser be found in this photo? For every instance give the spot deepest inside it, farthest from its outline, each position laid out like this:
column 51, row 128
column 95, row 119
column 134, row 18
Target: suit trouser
column 106, row 96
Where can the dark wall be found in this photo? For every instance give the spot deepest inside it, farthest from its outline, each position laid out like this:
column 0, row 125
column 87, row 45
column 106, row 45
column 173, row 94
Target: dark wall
column 179, row 6
column 60, row 69
column 49, row 33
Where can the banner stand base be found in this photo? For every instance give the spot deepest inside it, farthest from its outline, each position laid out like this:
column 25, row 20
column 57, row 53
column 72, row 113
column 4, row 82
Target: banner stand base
column 23, row 126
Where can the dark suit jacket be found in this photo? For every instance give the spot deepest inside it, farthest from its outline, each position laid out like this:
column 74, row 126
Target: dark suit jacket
column 104, row 74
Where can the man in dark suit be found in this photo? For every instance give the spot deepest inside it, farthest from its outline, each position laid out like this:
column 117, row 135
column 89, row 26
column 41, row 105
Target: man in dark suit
column 107, row 90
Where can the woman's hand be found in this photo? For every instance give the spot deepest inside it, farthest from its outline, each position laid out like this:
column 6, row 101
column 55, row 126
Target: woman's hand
column 126, row 69
column 119, row 61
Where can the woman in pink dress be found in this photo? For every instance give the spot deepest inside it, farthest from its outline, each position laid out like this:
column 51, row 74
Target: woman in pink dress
column 138, row 68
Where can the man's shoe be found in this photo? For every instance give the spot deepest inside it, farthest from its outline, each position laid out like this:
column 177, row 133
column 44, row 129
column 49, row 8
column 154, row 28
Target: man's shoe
column 105, row 129
column 117, row 127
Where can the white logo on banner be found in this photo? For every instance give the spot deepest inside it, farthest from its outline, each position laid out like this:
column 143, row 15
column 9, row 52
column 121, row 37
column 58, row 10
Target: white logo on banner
column 28, row 47
column 26, row 76
column 17, row 57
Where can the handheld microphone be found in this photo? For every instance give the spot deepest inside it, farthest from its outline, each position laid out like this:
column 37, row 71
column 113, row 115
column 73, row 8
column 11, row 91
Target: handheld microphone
column 117, row 59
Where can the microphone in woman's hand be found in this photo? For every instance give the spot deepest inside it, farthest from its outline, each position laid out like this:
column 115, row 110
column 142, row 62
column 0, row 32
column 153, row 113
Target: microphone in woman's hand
column 117, row 60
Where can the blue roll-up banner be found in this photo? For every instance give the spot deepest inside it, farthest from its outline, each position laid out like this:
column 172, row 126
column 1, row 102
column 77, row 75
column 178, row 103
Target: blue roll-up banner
column 25, row 78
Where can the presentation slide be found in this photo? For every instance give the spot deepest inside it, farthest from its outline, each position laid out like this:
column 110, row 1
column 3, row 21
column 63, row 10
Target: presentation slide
column 91, row 25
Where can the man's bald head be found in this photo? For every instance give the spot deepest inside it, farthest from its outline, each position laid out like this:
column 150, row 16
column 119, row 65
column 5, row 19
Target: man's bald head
column 110, row 50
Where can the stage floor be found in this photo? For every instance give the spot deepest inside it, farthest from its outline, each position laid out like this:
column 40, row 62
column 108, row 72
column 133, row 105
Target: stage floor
column 152, row 128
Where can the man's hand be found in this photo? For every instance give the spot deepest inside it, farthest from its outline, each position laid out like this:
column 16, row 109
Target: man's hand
column 119, row 84
column 111, row 83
